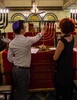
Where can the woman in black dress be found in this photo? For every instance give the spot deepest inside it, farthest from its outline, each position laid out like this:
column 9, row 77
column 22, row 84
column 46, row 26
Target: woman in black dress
column 64, row 60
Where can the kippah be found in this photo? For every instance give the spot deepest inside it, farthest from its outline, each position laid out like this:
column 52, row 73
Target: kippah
column 15, row 25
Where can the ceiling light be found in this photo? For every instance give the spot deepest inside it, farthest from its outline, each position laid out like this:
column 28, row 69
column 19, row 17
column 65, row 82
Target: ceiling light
column 34, row 8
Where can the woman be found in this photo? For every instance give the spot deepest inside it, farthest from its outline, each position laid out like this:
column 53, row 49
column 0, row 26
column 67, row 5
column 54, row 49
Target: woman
column 63, row 57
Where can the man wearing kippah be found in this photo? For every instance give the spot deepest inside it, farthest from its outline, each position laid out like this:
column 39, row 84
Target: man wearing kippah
column 19, row 53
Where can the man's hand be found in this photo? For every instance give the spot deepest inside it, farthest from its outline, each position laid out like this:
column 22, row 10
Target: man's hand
column 44, row 29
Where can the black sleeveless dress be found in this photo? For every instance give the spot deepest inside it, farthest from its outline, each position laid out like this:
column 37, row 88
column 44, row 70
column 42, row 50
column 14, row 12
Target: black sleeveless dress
column 64, row 72
column 64, row 68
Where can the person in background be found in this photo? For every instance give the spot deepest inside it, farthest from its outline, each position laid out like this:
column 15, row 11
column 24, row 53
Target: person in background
column 19, row 53
column 64, row 60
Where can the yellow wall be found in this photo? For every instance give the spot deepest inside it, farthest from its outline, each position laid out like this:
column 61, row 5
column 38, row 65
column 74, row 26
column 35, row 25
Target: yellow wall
column 59, row 14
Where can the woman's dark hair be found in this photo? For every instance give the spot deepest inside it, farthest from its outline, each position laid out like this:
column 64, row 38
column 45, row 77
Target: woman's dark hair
column 17, row 26
column 67, row 25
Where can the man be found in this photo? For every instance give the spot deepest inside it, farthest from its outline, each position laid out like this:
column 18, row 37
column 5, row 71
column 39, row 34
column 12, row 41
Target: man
column 19, row 53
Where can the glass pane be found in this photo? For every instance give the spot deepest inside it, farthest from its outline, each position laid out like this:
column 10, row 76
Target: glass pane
column 35, row 23
column 34, row 18
column 49, row 17
column 18, row 18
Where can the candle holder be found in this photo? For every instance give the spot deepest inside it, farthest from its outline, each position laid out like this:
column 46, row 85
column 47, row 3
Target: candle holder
column 3, row 18
column 50, row 34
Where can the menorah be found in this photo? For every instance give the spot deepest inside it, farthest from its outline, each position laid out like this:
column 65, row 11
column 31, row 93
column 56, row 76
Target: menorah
column 3, row 18
column 49, row 35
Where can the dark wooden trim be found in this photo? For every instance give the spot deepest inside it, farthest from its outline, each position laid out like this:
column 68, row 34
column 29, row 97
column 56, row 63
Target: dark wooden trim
column 37, row 21
column 40, row 8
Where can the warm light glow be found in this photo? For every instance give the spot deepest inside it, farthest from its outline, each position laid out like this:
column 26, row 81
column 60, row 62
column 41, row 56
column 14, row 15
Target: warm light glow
column 71, row 11
column 4, row 11
column 7, row 11
column 73, row 14
column 76, row 11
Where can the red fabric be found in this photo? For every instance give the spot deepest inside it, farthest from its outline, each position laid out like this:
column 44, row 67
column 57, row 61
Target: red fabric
column 73, row 33
column 48, row 37
column 42, row 73
column 7, row 66
column 31, row 27
column 10, row 35
column 42, row 66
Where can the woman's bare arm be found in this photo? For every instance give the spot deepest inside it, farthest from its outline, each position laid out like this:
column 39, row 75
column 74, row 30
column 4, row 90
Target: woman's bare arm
column 59, row 49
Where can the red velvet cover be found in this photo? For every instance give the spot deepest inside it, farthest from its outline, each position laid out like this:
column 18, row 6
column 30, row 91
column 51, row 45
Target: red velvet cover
column 7, row 66
column 47, row 39
column 42, row 73
column 42, row 67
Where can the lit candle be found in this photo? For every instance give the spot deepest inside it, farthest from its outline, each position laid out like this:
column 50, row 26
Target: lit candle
column 71, row 13
column 76, row 14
